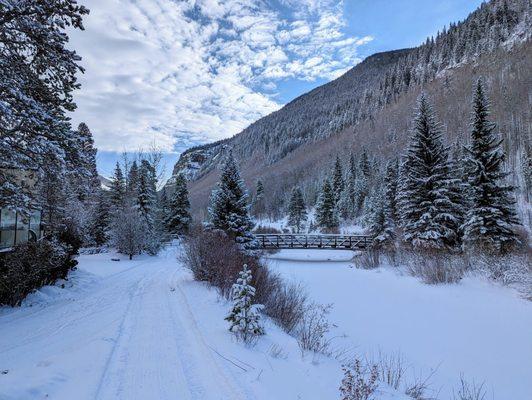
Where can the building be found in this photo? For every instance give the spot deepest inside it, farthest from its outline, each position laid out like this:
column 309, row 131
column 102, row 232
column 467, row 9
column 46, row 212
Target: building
column 16, row 227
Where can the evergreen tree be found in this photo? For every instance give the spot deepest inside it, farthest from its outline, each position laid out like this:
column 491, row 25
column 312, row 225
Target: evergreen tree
column 364, row 165
column 244, row 316
column 429, row 214
column 326, row 215
column 133, row 179
column 348, row 201
column 146, row 193
column 258, row 202
column 100, row 219
column 338, row 183
column 178, row 217
column 390, row 195
column 118, row 189
column 228, row 209
column 526, row 172
column 491, row 214
column 297, row 211
column 37, row 78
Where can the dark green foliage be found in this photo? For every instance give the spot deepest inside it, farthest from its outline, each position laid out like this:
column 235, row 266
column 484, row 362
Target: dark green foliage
column 118, row 189
column 491, row 216
column 297, row 211
column 429, row 215
column 100, row 219
column 229, row 210
column 338, row 183
column 178, row 216
column 30, row 266
column 326, row 214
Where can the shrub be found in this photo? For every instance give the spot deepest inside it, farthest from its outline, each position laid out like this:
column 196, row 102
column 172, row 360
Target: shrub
column 312, row 329
column 369, row 259
column 261, row 229
column 30, row 266
column 434, row 267
column 359, row 382
column 215, row 258
column 469, row 391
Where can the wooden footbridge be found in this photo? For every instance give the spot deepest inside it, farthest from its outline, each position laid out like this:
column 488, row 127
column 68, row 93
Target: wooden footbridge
column 302, row 241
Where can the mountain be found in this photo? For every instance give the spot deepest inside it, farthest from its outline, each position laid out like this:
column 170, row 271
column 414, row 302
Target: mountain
column 370, row 107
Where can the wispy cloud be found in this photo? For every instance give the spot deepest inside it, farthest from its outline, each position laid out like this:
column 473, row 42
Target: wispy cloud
column 178, row 73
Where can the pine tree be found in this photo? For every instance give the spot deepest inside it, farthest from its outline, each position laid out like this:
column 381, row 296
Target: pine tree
column 118, row 189
column 297, row 211
column 491, row 214
column 338, row 183
column 37, row 77
column 326, row 215
column 132, row 182
column 244, row 316
column 228, row 209
column 100, row 219
column 385, row 216
column 146, row 193
column 390, row 195
column 429, row 214
column 364, row 166
column 348, row 201
column 526, row 171
column 258, row 201
column 178, row 217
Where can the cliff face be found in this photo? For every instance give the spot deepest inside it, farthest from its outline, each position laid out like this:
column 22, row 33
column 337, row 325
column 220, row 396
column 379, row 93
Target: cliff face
column 371, row 106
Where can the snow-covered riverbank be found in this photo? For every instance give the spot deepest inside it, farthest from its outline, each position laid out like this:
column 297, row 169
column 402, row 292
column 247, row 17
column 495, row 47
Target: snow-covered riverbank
column 476, row 328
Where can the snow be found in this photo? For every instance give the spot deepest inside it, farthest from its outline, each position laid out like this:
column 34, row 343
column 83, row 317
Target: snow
column 143, row 329
column 475, row 328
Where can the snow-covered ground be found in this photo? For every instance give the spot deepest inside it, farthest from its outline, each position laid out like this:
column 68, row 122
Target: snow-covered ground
column 475, row 328
column 143, row 329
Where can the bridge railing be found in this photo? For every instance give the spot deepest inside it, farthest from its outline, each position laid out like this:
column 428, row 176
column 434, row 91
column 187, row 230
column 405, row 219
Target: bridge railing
column 313, row 241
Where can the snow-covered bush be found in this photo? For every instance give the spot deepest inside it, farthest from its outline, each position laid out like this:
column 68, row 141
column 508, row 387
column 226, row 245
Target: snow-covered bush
column 129, row 232
column 434, row 267
column 359, row 382
column 244, row 316
column 369, row 259
column 311, row 333
column 30, row 266
column 214, row 257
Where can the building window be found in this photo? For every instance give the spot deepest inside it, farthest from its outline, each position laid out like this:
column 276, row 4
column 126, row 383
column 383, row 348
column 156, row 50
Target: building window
column 8, row 222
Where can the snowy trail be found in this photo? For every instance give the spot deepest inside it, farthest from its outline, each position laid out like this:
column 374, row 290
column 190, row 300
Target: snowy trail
column 132, row 337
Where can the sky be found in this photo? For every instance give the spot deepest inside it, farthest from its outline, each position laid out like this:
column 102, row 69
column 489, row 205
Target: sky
column 172, row 74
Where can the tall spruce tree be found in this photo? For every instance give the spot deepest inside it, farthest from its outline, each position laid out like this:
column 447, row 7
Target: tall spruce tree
column 100, row 219
column 491, row 215
column 258, row 201
column 118, row 189
column 338, row 183
column 132, row 181
column 326, row 214
column 146, row 193
column 428, row 212
column 297, row 211
column 228, row 209
column 178, row 217
column 348, row 201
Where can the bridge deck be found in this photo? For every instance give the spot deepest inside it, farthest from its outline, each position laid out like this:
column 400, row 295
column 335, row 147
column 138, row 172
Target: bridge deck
column 301, row 241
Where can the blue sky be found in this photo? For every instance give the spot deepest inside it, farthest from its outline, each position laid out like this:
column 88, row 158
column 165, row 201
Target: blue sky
column 174, row 74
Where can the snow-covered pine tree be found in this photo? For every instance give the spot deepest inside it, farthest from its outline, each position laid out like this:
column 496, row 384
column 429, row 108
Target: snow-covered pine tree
column 258, row 201
column 297, row 211
column 326, row 214
column 375, row 217
column 526, row 172
column 491, row 216
column 384, row 215
column 129, row 231
column 348, row 201
column 37, row 78
column 429, row 215
column 390, row 194
column 88, row 160
column 100, row 219
column 364, row 165
column 228, row 209
column 178, row 217
column 146, row 193
column 244, row 316
column 338, row 183
column 132, row 181
column 118, row 189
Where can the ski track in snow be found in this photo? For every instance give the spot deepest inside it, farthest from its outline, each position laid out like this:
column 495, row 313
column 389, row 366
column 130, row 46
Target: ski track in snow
column 154, row 347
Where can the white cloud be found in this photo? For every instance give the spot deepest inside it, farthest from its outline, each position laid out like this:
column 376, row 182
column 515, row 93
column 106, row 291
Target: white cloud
column 183, row 72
